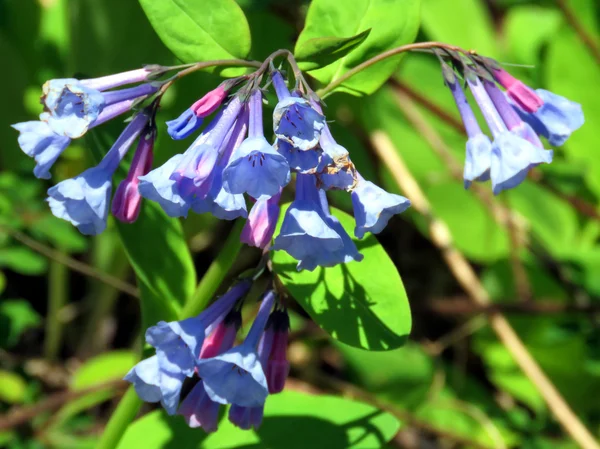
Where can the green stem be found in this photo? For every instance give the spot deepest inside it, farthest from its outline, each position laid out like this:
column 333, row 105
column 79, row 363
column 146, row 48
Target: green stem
column 126, row 411
column 57, row 297
column 380, row 57
column 215, row 274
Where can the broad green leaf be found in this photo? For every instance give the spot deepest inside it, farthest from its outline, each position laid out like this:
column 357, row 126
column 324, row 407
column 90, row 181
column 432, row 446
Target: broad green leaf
column 16, row 316
column 465, row 23
column 361, row 304
column 23, row 260
column 13, row 388
column 103, row 368
column 393, row 23
column 200, row 31
column 292, row 420
column 60, row 233
column 322, row 51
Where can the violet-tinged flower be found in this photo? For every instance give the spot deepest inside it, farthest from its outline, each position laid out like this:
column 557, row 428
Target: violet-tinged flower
column 127, row 200
column 117, row 80
column 219, row 202
column 299, row 161
column 246, row 418
column 294, row 119
column 260, row 226
column 278, row 367
column 335, row 170
column 191, row 119
column 237, row 376
column 512, row 158
column 71, row 106
column 373, row 207
column 479, row 147
column 178, row 343
column 556, row 119
column 153, row 384
column 255, row 166
column 37, row 140
column 520, row 93
column 84, row 200
column 305, row 232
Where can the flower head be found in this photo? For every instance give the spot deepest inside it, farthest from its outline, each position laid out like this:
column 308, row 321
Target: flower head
column 199, row 410
column 84, row 200
column 37, row 140
column 335, row 169
column 246, row 418
column 478, row 159
column 298, row 160
column 277, row 365
column 260, row 226
column 237, row 376
column 373, row 207
column 191, row 119
column 520, row 93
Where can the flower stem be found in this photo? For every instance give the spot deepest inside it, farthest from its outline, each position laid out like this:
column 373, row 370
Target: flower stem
column 216, row 273
column 382, row 56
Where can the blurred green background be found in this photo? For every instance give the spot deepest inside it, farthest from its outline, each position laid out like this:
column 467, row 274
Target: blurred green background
column 69, row 319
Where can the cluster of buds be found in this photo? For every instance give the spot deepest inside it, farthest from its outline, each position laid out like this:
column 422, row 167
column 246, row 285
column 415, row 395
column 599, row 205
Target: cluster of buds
column 516, row 117
column 202, row 351
column 230, row 163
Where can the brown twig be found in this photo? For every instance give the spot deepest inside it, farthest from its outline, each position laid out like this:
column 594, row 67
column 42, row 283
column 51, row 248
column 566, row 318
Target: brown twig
column 463, row 306
column 21, row 415
column 467, row 278
column 573, row 21
column 73, row 264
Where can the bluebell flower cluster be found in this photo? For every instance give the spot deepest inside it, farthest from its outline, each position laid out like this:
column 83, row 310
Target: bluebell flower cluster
column 516, row 117
column 202, row 351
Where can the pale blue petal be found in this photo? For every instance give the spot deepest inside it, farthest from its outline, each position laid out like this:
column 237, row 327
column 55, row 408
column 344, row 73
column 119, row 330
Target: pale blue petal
column 297, row 123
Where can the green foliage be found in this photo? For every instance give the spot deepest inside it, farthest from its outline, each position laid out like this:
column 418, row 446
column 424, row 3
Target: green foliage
column 322, row 51
column 196, row 31
column 292, row 421
column 16, row 317
column 362, row 304
column 103, row 368
column 331, row 18
column 12, row 387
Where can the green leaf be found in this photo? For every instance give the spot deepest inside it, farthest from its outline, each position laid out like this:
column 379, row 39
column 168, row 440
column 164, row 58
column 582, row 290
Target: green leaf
column 334, row 18
column 23, row 260
column 103, row 368
column 465, row 23
column 322, row 51
column 161, row 259
column 16, row 316
column 200, row 31
column 362, row 304
column 292, row 420
column 13, row 388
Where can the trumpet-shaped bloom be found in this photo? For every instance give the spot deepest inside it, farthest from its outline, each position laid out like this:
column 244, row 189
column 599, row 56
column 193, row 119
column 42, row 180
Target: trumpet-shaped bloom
column 37, row 140
column 305, row 233
column 236, row 376
column 478, row 159
column 84, row 200
column 246, row 418
column 277, row 365
column 373, row 207
column 260, row 226
column 296, row 122
column 299, row 161
column 520, row 93
column 191, row 119
column 512, row 158
column 199, row 410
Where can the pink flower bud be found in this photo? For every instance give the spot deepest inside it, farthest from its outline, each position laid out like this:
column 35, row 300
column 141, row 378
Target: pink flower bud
column 260, row 226
column 223, row 337
column 127, row 201
column 210, row 102
column 519, row 92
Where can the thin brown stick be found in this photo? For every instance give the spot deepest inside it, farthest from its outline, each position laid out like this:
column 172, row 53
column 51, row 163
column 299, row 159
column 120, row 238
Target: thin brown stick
column 573, row 21
column 463, row 306
column 467, row 278
column 22, row 415
column 73, row 264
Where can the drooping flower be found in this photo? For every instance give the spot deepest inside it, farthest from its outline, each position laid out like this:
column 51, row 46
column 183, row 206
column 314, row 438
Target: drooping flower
column 236, row 376
column 294, row 119
column 373, row 207
column 479, row 147
column 187, row 178
column 277, row 366
column 556, row 119
column 520, row 93
column 299, row 161
column 255, row 166
column 71, row 106
column 37, row 140
column 260, row 226
column 305, row 232
column 127, row 200
column 191, row 119
column 84, row 200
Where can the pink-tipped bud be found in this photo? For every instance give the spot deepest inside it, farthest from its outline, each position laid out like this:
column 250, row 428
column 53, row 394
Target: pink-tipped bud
column 210, row 102
column 127, row 200
column 278, row 367
column 519, row 92
column 223, row 337
column 262, row 220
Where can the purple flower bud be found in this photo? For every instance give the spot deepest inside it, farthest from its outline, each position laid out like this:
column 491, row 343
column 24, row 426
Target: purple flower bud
column 520, row 93
column 210, row 102
column 260, row 226
column 278, row 367
column 127, row 200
